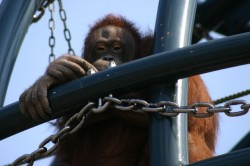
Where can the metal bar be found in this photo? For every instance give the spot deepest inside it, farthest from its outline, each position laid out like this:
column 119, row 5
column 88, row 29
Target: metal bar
column 181, row 123
column 223, row 16
column 168, row 136
column 243, row 143
column 15, row 18
column 141, row 73
column 239, row 158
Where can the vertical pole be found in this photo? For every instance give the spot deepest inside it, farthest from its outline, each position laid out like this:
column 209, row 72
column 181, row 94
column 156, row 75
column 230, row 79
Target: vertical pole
column 168, row 135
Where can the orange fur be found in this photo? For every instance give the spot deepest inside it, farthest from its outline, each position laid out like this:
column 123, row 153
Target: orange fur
column 115, row 137
column 202, row 131
column 122, row 138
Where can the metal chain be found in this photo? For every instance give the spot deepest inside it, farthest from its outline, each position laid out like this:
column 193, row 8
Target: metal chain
column 66, row 31
column 63, row 16
column 52, row 39
column 165, row 108
column 41, row 10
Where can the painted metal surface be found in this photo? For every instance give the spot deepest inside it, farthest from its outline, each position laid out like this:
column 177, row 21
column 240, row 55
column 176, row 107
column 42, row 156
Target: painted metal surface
column 168, row 136
column 177, row 64
column 15, row 18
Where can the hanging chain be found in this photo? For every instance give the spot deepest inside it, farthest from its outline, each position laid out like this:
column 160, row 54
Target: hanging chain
column 41, row 10
column 66, row 31
column 63, row 16
column 165, row 108
column 52, row 39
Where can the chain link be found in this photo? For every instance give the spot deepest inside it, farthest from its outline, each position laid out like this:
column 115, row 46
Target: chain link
column 52, row 39
column 41, row 10
column 67, row 34
column 244, row 107
column 165, row 108
column 63, row 16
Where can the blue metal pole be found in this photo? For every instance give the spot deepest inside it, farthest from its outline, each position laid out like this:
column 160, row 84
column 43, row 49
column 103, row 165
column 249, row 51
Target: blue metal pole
column 209, row 56
column 239, row 158
column 15, row 18
column 168, row 136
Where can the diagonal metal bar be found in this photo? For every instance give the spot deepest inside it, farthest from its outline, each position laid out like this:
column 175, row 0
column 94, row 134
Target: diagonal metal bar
column 239, row 158
column 162, row 67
